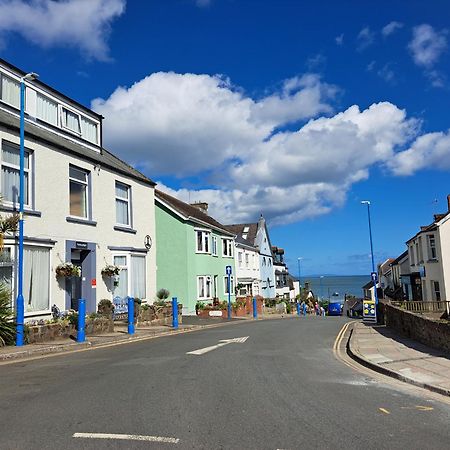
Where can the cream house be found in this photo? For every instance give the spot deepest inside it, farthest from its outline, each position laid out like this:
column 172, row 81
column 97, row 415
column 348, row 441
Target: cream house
column 83, row 205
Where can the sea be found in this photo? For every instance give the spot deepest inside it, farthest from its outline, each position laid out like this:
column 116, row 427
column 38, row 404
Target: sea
column 328, row 286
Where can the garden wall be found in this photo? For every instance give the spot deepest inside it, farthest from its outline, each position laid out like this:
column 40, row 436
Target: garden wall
column 64, row 330
column 432, row 332
column 157, row 315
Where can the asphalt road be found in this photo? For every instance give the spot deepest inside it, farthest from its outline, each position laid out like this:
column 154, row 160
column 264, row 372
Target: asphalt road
column 282, row 388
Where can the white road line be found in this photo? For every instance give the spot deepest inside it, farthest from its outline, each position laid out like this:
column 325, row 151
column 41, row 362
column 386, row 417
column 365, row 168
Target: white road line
column 202, row 351
column 127, row 437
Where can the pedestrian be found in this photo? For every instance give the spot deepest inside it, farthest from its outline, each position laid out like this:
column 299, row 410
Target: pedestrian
column 322, row 311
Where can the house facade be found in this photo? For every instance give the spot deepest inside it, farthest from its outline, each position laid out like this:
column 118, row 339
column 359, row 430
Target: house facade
column 83, row 205
column 267, row 271
column 192, row 254
column 282, row 286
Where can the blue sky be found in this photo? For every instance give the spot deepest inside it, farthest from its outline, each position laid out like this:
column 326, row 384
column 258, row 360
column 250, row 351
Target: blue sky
column 297, row 110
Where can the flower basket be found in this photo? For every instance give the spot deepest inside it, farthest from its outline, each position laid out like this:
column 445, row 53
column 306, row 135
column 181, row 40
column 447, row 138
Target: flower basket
column 110, row 271
column 67, row 270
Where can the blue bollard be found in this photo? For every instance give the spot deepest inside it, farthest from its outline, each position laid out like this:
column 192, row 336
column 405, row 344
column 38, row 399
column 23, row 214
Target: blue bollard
column 174, row 312
column 298, row 309
column 81, row 332
column 130, row 315
column 255, row 311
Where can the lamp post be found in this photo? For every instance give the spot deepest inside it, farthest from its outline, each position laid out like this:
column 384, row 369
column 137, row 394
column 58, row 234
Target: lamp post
column 374, row 274
column 20, row 304
column 321, row 293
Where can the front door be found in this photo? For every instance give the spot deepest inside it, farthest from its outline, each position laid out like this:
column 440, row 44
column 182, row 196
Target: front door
column 76, row 283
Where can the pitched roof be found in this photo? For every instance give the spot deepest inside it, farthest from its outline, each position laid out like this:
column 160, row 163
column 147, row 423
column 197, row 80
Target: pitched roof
column 399, row 258
column 238, row 231
column 189, row 211
column 103, row 157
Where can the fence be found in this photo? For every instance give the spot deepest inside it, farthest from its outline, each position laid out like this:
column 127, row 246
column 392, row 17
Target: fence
column 423, row 306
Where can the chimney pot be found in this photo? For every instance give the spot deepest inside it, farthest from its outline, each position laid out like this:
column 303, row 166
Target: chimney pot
column 202, row 206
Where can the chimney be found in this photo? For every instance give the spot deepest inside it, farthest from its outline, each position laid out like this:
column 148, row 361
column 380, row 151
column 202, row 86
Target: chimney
column 202, row 206
column 448, row 203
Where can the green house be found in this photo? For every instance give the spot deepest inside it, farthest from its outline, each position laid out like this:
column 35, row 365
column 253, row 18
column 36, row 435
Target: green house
column 192, row 252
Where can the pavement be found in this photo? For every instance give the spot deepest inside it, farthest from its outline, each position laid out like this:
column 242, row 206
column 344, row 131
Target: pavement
column 269, row 384
column 381, row 349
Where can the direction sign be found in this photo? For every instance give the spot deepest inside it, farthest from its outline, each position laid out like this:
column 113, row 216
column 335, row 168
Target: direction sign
column 369, row 311
column 228, row 270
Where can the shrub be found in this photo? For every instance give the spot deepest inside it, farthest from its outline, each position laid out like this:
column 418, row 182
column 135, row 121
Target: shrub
column 199, row 306
column 105, row 307
column 162, row 294
column 7, row 325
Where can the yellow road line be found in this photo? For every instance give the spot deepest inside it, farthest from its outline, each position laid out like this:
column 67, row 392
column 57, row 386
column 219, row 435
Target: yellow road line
column 340, row 335
column 384, row 410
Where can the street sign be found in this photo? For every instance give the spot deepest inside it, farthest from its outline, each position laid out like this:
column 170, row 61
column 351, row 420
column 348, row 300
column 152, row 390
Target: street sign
column 369, row 311
column 228, row 270
column 374, row 276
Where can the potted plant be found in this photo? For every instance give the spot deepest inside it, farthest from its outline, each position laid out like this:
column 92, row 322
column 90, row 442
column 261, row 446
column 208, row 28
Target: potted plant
column 110, row 270
column 67, row 269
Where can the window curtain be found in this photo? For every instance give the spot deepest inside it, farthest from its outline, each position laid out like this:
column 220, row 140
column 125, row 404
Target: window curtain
column 36, row 278
column 11, row 184
column 10, row 91
column 138, row 276
column 47, row 110
column 71, row 121
column 122, row 212
column 89, row 130
column 121, row 290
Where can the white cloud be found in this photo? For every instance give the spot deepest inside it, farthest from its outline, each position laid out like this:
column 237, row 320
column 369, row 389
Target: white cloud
column 391, row 28
column 82, row 24
column 387, row 73
column 365, row 38
column 339, row 39
column 430, row 150
column 240, row 147
column 427, row 45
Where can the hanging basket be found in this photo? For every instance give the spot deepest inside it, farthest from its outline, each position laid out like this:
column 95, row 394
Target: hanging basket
column 67, row 270
column 110, row 271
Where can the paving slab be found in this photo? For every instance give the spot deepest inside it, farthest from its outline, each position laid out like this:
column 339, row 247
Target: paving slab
column 386, row 352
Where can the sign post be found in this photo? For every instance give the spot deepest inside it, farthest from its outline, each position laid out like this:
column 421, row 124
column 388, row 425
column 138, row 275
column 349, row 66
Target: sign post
column 228, row 271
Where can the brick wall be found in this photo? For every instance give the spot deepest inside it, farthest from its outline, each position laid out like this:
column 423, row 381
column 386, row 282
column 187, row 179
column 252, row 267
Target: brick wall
column 432, row 332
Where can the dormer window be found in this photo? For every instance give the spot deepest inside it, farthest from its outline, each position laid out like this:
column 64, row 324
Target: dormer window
column 71, row 121
column 89, row 130
column 47, row 110
column 9, row 91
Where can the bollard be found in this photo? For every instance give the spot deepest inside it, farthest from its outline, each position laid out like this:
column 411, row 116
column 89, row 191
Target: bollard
column 130, row 315
column 174, row 312
column 298, row 308
column 255, row 311
column 81, row 335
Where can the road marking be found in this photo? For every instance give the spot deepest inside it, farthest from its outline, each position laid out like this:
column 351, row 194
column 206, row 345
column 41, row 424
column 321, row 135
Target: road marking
column 384, row 410
column 127, row 437
column 340, row 335
column 202, row 351
column 419, row 407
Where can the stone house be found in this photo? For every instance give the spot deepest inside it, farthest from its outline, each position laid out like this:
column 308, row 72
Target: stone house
column 193, row 252
column 83, row 205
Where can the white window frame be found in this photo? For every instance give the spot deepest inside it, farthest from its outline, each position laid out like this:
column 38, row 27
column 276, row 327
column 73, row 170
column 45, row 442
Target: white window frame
column 214, row 245
column 3, row 75
column 205, row 240
column 240, row 260
column 247, row 260
column 128, row 256
column 205, row 279
column 88, row 193
column 58, row 118
column 432, row 238
column 227, row 247
column 28, row 170
column 63, row 121
column 126, row 200
column 225, row 285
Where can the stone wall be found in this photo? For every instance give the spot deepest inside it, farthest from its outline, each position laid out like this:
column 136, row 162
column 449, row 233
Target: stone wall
column 432, row 332
column 65, row 330
column 157, row 315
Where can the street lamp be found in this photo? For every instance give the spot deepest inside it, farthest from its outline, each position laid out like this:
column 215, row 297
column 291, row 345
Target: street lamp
column 321, row 294
column 20, row 304
column 374, row 274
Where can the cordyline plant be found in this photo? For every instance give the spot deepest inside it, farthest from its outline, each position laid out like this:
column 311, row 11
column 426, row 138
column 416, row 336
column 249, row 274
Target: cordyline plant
column 8, row 225
column 7, row 325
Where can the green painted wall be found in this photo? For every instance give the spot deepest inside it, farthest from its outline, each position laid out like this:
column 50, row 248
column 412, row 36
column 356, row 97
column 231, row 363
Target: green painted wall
column 178, row 264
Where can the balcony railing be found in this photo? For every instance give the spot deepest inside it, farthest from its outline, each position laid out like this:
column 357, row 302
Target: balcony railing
column 423, row 306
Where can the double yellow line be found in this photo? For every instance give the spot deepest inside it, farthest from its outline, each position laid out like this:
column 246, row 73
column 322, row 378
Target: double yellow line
column 340, row 336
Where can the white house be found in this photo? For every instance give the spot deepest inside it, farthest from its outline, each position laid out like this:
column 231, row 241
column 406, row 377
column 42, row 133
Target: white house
column 429, row 260
column 253, row 242
column 82, row 204
column 282, row 287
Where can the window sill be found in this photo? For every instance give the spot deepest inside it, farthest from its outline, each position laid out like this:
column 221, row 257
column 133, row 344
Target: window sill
column 227, row 256
column 125, row 229
column 202, row 253
column 435, row 260
column 82, row 221
column 27, row 212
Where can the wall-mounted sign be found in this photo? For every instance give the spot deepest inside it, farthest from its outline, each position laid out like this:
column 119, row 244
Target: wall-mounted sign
column 369, row 311
column 83, row 245
column 228, row 270
column 148, row 242
column 94, row 283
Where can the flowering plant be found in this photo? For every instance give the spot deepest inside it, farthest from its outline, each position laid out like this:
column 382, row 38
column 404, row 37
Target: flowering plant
column 110, row 270
column 67, row 270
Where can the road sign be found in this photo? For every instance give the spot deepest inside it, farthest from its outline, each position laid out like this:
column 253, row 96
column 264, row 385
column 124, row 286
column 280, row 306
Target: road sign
column 374, row 276
column 228, row 270
column 369, row 311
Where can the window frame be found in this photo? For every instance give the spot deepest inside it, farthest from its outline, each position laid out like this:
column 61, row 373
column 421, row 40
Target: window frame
column 205, row 239
column 3, row 75
column 214, row 245
column 27, row 170
column 432, row 248
column 128, row 256
column 127, row 200
column 64, row 123
column 87, row 193
column 205, row 279
column 227, row 243
column 225, row 285
column 58, row 119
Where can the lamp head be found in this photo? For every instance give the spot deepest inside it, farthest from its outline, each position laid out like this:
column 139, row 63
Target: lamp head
column 365, row 202
column 31, row 76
